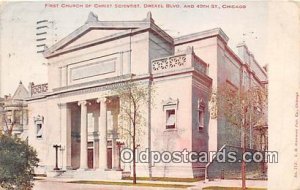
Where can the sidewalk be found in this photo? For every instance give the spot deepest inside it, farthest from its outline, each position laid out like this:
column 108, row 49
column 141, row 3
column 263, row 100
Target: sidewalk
column 59, row 183
column 196, row 185
column 66, row 180
column 229, row 183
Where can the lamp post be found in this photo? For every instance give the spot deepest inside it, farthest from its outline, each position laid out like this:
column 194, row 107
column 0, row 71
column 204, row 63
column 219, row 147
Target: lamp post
column 56, row 156
column 119, row 144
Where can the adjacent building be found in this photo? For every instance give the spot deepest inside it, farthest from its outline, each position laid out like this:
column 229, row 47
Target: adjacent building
column 14, row 113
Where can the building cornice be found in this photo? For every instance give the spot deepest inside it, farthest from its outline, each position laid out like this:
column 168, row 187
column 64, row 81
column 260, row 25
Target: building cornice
column 86, row 85
column 190, row 70
column 200, row 36
column 106, row 84
column 242, row 64
column 161, row 33
column 217, row 32
column 250, row 54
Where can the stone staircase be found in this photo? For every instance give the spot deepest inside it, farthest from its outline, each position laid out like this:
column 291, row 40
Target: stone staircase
column 91, row 175
column 67, row 174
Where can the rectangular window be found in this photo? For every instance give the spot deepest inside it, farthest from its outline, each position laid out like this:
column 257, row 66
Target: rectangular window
column 201, row 119
column 170, row 119
column 39, row 130
column 201, row 113
column 17, row 116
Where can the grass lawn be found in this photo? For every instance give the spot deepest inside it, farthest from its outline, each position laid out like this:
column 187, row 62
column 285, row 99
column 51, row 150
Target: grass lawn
column 168, row 179
column 230, row 188
column 130, row 184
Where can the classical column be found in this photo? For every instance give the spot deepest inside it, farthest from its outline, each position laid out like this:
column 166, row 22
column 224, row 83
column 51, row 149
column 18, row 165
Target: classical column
column 65, row 122
column 103, row 134
column 96, row 153
column 114, row 137
column 83, row 135
column 114, row 151
column 96, row 139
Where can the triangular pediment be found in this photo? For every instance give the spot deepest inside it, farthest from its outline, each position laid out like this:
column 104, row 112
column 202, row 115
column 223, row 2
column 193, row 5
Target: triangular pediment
column 93, row 35
column 94, row 32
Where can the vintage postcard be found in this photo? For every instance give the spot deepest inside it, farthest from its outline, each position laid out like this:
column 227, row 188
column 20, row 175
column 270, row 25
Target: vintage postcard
column 149, row 95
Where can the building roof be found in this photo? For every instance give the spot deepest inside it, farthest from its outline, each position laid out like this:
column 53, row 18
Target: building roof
column 21, row 93
column 120, row 28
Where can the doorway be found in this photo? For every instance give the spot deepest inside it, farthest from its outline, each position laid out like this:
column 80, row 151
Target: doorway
column 90, row 158
column 109, row 158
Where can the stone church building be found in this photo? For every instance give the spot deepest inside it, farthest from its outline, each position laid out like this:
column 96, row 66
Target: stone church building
column 73, row 109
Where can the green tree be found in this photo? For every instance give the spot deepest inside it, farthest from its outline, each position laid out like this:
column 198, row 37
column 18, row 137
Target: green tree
column 242, row 108
column 134, row 99
column 17, row 162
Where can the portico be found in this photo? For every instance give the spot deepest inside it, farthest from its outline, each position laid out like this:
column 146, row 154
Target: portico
column 90, row 131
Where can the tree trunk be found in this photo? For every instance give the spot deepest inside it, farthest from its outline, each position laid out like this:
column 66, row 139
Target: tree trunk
column 243, row 172
column 134, row 157
column 243, row 168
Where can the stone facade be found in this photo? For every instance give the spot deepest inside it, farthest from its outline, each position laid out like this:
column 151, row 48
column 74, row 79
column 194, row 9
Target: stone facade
column 74, row 111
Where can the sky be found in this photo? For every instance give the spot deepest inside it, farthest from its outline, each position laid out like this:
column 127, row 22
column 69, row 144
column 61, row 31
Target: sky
column 20, row 62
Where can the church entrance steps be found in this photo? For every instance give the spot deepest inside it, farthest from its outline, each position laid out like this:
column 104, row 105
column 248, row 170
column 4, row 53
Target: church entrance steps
column 91, row 174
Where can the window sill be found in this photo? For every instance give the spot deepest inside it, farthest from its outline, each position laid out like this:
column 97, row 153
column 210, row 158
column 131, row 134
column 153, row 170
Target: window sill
column 170, row 130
